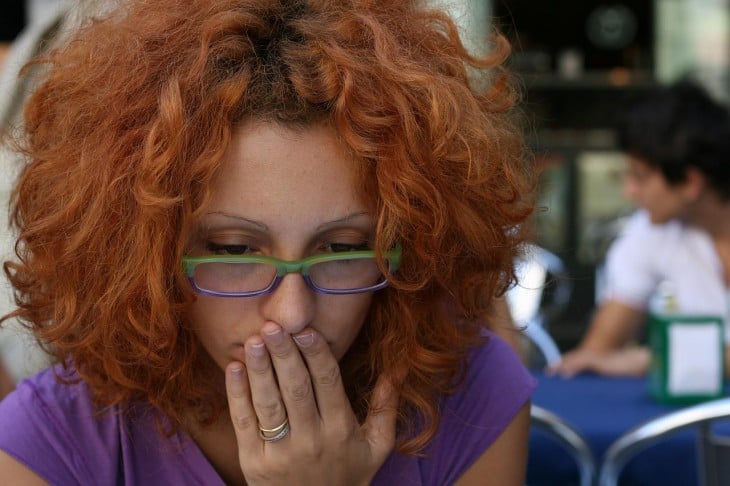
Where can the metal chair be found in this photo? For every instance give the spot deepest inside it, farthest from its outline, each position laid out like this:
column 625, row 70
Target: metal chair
column 713, row 450
column 542, row 292
column 569, row 438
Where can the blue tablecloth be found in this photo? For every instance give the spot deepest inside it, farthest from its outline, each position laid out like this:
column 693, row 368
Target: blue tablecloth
column 602, row 409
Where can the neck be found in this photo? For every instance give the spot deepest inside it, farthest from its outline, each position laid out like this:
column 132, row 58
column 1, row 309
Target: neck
column 713, row 216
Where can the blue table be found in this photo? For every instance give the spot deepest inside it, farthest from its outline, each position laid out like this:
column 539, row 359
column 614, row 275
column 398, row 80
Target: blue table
column 602, row 409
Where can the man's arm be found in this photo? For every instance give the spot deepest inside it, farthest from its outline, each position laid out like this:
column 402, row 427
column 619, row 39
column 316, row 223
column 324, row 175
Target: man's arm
column 603, row 348
column 613, row 326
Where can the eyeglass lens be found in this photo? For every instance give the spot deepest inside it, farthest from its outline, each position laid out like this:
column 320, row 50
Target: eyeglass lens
column 356, row 273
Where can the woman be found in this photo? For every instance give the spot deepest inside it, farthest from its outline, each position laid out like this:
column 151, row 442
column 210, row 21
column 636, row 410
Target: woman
column 186, row 161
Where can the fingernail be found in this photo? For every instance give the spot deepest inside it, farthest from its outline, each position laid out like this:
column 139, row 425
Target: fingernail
column 275, row 336
column 256, row 349
column 304, row 340
column 236, row 372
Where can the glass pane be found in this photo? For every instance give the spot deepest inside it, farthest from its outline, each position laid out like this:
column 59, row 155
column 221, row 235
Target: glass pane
column 346, row 274
column 234, row 277
column 602, row 205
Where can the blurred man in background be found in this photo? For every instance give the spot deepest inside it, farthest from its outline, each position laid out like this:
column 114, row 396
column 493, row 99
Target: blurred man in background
column 674, row 254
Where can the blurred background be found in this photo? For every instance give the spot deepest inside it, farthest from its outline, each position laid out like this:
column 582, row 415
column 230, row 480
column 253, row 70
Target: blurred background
column 577, row 61
column 580, row 61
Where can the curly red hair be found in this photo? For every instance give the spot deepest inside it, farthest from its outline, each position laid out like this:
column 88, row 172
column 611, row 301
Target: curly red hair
column 127, row 130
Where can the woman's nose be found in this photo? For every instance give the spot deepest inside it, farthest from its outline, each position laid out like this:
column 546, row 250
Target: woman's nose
column 291, row 305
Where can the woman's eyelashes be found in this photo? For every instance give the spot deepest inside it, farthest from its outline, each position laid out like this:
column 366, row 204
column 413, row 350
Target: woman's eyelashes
column 216, row 248
column 342, row 247
column 227, row 249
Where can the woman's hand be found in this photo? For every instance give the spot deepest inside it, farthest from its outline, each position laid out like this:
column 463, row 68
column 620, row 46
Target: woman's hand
column 296, row 378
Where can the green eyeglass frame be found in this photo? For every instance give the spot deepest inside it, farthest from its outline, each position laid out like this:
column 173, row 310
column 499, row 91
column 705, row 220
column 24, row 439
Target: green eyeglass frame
column 284, row 267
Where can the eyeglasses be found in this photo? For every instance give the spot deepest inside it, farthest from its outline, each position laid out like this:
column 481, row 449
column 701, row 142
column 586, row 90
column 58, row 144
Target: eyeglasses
column 351, row 272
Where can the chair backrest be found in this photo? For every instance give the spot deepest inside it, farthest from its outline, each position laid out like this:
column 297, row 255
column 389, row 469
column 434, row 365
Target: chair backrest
column 714, row 457
column 542, row 291
column 569, row 438
column 713, row 450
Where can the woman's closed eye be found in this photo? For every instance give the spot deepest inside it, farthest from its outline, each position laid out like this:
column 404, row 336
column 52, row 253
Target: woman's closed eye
column 343, row 247
column 227, row 249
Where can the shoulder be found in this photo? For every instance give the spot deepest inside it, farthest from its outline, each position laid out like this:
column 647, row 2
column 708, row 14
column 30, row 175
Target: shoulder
column 47, row 394
column 639, row 226
column 646, row 244
column 496, row 383
column 496, row 386
column 640, row 239
column 54, row 429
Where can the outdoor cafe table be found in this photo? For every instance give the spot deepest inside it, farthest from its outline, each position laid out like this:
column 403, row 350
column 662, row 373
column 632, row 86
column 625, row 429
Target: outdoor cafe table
column 602, row 409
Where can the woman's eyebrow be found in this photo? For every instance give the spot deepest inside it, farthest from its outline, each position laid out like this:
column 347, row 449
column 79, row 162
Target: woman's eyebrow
column 262, row 226
column 340, row 221
column 237, row 217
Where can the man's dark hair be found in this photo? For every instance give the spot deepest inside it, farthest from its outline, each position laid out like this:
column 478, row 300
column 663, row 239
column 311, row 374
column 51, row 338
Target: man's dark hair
column 676, row 127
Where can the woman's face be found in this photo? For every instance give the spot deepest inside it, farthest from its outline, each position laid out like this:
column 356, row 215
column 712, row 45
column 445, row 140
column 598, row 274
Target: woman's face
column 288, row 194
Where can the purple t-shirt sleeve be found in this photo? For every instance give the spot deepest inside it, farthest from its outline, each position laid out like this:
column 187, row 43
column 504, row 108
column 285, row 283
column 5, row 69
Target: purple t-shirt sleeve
column 496, row 386
column 44, row 434
column 55, row 430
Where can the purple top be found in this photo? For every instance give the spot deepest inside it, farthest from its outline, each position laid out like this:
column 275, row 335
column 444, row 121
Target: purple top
column 52, row 429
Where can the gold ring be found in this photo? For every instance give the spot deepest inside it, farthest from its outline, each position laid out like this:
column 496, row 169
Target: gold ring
column 280, row 431
column 276, row 429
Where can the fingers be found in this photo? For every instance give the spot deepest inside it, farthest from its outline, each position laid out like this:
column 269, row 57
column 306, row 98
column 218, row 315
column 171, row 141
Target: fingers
column 334, row 406
column 572, row 363
column 280, row 381
column 561, row 368
column 292, row 381
column 243, row 416
column 324, row 371
column 267, row 400
column 567, row 369
column 297, row 378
